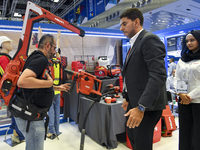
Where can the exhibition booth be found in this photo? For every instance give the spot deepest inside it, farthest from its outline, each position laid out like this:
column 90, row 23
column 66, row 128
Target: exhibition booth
column 105, row 120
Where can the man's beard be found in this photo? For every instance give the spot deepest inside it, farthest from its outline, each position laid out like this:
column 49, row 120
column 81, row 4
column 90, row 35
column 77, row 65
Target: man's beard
column 49, row 55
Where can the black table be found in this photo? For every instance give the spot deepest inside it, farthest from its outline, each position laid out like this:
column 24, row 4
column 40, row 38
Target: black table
column 104, row 121
column 71, row 101
column 71, row 104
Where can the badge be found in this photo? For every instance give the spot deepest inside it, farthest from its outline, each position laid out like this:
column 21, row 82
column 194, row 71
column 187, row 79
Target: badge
column 182, row 86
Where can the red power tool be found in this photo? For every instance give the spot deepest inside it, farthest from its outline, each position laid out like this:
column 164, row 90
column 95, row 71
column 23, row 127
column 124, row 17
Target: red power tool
column 8, row 82
column 112, row 94
column 85, row 83
column 109, row 72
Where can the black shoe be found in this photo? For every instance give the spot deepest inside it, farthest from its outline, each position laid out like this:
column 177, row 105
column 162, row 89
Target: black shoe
column 52, row 136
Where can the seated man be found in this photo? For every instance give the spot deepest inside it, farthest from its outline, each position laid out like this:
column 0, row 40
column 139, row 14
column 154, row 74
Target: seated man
column 170, row 85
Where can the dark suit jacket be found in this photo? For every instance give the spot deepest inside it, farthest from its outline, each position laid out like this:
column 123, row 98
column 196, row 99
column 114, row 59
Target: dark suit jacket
column 145, row 73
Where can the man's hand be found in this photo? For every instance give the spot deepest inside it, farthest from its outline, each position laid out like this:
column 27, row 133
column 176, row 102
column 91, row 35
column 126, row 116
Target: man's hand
column 135, row 117
column 185, row 98
column 67, row 86
column 63, row 87
column 125, row 104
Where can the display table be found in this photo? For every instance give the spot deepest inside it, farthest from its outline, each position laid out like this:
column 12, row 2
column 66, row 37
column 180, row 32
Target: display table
column 104, row 121
column 71, row 101
column 71, row 104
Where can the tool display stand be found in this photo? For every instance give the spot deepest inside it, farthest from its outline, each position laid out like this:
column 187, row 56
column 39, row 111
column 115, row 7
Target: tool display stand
column 168, row 122
column 156, row 136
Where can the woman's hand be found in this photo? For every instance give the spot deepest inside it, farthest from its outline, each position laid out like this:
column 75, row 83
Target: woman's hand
column 185, row 98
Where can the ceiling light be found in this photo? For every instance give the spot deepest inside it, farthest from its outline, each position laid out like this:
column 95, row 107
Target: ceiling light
column 113, row 15
column 143, row 2
column 107, row 18
column 149, row 1
column 117, row 13
column 133, row 6
column 97, row 23
column 110, row 16
column 137, row 4
column 55, row 1
column 17, row 15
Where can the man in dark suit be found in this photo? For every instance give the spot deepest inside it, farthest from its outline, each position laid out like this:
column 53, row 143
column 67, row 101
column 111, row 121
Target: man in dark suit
column 144, row 76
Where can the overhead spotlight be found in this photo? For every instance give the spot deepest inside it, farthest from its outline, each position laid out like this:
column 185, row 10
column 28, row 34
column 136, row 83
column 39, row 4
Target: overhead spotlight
column 107, row 18
column 17, row 15
column 138, row 4
column 117, row 13
column 97, row 24
column 113, row 15
column 110, row 16
column 93, row 25
column 143, row 2
column 148, row 1
column 133, row 6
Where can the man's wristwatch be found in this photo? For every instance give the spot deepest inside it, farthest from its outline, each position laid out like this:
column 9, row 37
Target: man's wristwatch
column 141, row 108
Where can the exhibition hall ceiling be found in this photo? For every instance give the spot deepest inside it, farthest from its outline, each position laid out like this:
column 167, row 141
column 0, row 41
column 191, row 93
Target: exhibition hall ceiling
column 58, row 7
column 158, row 14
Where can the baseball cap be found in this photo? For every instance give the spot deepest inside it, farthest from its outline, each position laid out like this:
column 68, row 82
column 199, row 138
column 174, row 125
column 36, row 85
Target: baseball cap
column 4, row 39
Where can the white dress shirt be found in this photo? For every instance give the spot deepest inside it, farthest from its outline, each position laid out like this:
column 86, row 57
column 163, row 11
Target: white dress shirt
column 131, row 41
column 189, row 71
column 170, row 84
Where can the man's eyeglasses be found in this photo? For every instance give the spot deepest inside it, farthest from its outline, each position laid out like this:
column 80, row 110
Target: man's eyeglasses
column 54, row 47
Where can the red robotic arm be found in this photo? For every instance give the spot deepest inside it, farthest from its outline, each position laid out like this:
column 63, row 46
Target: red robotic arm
column 8, row 82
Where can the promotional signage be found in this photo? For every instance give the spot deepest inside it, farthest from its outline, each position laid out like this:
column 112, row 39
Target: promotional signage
column 100, row 6
column 71, row 16
column 81, row 13
column 90, row 9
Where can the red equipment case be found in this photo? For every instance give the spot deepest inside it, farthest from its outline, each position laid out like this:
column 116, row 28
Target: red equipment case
column 78, row 66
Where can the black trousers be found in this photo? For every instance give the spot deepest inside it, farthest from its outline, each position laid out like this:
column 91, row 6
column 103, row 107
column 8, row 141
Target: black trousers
column 141, row 137
column 189, row 126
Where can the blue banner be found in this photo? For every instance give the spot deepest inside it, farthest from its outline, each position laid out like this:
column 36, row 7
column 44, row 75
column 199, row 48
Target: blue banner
column 81, row 13
column 66, row 17
column 83, row 9
column 100, row 6
column 90, row 9
column 71, row 16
